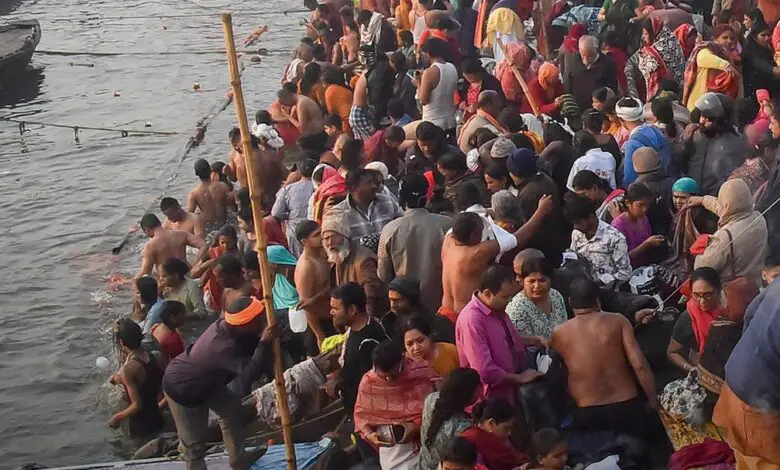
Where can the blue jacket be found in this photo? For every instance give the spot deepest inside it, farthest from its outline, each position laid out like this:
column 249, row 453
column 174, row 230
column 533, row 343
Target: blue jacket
column 646, row 135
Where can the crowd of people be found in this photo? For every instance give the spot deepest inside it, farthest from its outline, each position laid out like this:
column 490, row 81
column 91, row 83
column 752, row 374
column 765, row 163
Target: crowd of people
column 518, row 240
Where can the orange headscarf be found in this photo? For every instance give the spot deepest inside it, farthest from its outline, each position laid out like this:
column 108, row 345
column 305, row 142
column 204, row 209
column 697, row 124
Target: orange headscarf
column 252, row 311
column 548, row 74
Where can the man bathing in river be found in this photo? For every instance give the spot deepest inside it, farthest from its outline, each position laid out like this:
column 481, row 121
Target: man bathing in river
column 266, row 158
column 177, row 218
column 210, row 198
column 604, row 366
column 464, row 257
column 164, row 244
column 305, row 114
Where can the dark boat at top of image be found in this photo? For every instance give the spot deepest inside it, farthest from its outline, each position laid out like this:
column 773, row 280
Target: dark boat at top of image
column 17, row 44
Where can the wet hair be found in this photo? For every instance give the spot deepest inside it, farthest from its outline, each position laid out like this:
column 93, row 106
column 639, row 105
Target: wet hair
column 494, row 277
column 413, row 190
column 264, row 117
column 168, row 203
column 453, row 161
column 415, row 322
column 129, row 333
column 497, row 171
column 176, row 267
column 170, row 309
column 435, row 47
column 472, row 66
column 332, row 120
column 466, row 195
column 331, row 76
column 351, row 294
column 638, row 192
column 289, row 87
column 350, row 154
column 465, row 225
column 150, row 221
column 387, row 355
column 578, row 208
column 427, row 131
column 601, row 94
column 228, row 231
column 396, row 108
column 456, row 392
column 202, row 169
column 586, row 179
column 543, row 442
column 218, row 167
column 406, row 37
column 354, row 178
column 497, row 409
column 584, row 141
column 461, row 452
column 583, row 293
column 511, row 120
column 234, row 135
column 708, row 275
column 230, row 265
column 593, row 120
column 250, row 262
column 537, row 265
column 147, row 289
column 664, row 113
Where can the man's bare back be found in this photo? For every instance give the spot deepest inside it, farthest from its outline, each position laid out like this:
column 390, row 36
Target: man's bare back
column 595, row 348
column 309, row 114
column 211, row 199
column 312, row 280
column 167, row 244
column 462, row 266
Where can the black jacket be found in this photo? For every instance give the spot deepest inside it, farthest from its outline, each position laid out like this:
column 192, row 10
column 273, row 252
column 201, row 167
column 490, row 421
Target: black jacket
column 580, row 81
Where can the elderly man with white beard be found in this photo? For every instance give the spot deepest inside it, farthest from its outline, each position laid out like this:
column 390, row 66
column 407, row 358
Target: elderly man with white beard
column 351, row 262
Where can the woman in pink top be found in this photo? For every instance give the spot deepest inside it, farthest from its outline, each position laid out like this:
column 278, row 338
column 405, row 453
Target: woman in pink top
column 635, row 226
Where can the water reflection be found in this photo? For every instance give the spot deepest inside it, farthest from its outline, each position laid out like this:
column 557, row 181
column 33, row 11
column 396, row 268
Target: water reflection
column 7, row 6
column 25, row 88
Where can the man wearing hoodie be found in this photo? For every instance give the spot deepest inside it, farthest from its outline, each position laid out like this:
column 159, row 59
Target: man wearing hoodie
column 631, row 114
column 715, row 149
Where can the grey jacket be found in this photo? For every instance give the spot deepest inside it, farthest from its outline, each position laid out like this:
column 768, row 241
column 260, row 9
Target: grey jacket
column 711, row 160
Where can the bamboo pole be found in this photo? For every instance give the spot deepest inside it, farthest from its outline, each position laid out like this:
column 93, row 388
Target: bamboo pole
column 256, row 195
column 520, row 79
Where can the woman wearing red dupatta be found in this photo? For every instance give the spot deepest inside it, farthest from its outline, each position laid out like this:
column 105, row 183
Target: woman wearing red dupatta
column 686, row 35
column 390, row 401
column 710, row 68
column 661, row 56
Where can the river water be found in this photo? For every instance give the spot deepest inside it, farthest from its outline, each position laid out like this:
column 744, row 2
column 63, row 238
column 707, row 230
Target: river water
column 65, row 204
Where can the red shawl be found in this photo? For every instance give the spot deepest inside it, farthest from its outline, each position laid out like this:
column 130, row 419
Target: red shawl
column 682, row 32
column 718, row 81
column 653, row 81
column 494, row 452
column 571, row 43
column 701, row 322
column 397, row 402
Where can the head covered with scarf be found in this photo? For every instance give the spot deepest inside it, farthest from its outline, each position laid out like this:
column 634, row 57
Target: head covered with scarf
column 519, row 54
column 548, row 75
column 661, row 57
column 572, row 39
column 682, row 33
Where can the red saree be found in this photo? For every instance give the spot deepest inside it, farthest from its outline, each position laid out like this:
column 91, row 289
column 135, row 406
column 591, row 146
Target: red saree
column 718, row 81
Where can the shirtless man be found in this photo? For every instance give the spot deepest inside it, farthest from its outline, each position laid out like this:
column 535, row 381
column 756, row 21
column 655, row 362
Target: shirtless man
column 211, row 198
column 267, row 161
column 177, row 218
column 312, row 281
column 464, row 257
column 306, row 115
column 164, row 244
column 604, row 365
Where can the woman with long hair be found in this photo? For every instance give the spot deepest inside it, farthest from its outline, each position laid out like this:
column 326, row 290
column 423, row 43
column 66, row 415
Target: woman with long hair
column 310, row 85
column 445, row 417
column 494, row 420
column 338, row 96
column 538, row 308
column 758, row 65
column 661, row 56
column 711, row 68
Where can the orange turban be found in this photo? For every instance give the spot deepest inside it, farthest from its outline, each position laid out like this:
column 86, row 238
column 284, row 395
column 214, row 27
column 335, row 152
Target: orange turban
column 252, row 311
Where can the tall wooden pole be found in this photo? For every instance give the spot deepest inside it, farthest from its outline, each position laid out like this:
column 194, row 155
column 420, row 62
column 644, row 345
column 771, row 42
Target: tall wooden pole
column 256, row 195
column 520, row 79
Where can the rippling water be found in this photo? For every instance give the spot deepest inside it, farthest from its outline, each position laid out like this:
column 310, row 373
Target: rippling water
column 64, row 205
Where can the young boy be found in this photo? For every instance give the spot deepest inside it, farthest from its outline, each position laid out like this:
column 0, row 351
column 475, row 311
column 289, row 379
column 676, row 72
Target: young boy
column 333, row 127
column 406, row 40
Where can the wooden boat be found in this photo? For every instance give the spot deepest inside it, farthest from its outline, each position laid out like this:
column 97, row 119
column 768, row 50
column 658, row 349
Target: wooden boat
column 17, row 45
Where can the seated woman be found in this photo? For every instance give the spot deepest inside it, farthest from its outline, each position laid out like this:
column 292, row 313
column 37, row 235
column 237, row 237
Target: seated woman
column 175, row 285
column 442, row 357
column 388, row 411
column 682, row 191
column 445, row 417
column 635, row 226
column 166, row 333
column 538, row 308
column 225, row 243
column 494, row 420
column 497, row 179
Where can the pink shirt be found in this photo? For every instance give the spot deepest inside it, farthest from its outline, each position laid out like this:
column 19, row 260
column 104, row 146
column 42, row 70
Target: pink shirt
column 484, row 345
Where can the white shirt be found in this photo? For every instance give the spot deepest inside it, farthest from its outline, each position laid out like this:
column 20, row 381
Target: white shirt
column 598, row 161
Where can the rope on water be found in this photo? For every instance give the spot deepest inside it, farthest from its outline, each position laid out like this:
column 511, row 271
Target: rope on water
column 260, row 51
column 124, row 132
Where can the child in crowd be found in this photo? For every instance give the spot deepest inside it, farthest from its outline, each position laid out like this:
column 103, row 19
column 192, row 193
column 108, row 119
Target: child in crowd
column 548, row 451
column 462, row 456
column 332, row 125
column 490, row 435
column 395, row 109
column 635, row 226
column 406, row 41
